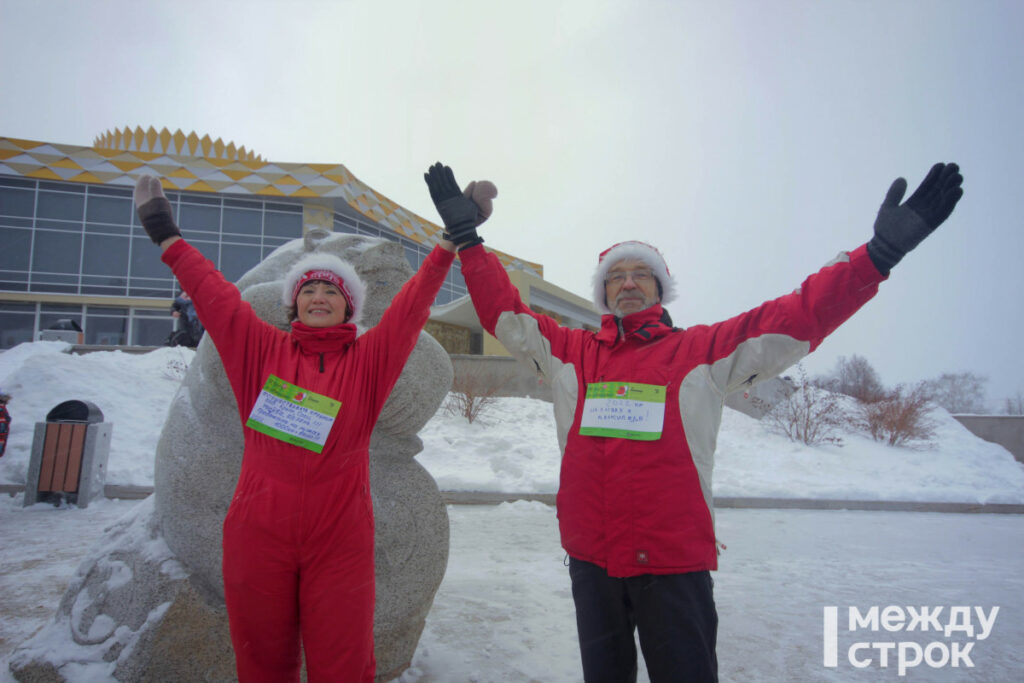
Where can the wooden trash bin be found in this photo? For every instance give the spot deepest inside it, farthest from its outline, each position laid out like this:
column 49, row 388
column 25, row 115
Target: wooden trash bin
column 69, row 455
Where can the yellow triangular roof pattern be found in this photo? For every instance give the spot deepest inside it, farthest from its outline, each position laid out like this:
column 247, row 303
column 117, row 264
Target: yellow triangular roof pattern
column 199, row 164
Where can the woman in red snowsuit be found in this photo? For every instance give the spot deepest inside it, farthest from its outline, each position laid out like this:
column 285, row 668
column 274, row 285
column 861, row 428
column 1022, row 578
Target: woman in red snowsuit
column 298, row 536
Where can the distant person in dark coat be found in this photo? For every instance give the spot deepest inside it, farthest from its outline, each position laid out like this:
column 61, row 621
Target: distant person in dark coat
column 190, row 330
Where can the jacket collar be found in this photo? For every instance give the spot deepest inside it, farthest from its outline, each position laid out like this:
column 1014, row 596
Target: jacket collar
column 323, row 339
column 643, row 325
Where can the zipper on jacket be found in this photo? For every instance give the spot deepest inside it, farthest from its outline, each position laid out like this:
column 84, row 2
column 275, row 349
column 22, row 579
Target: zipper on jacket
column 321, row 362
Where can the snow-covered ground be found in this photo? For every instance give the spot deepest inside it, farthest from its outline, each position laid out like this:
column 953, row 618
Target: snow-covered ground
column 512, row 448
column 504, row 611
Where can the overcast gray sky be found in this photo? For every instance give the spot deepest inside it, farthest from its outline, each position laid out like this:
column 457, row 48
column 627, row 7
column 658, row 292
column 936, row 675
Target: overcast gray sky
column 749, row 141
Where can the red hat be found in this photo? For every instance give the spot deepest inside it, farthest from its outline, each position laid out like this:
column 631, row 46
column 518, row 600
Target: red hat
column 634, row 250
column 328, row 268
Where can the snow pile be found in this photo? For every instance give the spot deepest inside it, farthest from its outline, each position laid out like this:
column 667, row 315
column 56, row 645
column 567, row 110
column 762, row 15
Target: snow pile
column 513, row 447
column 132, row 390
column 955, row 466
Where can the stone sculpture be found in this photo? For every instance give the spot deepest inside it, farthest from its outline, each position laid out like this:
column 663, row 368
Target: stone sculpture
column 149, row 604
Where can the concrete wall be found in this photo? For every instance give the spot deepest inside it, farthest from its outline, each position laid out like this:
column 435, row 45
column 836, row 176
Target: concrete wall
column 504, row 372
column 1005, row 430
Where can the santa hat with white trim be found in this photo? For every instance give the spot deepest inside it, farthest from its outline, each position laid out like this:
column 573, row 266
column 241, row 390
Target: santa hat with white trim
column 328, row 268
column 632, row 250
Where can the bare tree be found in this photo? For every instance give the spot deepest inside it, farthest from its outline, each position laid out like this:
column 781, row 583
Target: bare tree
column 854, row 377
column 959, row 392
column 473, row 391
column 810, row 415
column 901, row 417
column 1015, row 404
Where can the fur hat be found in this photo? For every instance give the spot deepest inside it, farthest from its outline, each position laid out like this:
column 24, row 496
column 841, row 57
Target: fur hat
column 640, row 251
column 329, row 268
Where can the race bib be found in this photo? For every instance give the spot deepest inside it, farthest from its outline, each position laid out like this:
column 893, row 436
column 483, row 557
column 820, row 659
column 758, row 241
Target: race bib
column 623, row 410
column 292, row 414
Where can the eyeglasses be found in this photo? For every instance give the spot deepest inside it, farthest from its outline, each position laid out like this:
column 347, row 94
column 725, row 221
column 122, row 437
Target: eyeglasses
column 618, row 277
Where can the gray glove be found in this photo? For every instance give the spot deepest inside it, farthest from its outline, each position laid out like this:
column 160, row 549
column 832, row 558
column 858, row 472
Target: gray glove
column 900, row 228
column 154, row 210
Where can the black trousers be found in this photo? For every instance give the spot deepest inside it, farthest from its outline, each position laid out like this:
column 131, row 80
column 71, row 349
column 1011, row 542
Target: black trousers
column 675, row 615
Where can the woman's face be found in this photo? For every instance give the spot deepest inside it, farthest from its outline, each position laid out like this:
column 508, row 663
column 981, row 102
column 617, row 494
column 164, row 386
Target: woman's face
column 320, row 304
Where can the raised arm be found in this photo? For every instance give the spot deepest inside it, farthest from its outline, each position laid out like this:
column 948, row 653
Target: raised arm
column 536, row 340
column 766, row 340
column 231, row 322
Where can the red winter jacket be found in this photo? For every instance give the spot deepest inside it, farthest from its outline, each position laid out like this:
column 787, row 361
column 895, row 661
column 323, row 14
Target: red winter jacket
column 359, row 371
column 644, row 507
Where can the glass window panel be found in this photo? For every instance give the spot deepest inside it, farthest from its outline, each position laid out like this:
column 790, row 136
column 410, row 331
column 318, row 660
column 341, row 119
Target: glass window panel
column 49, row 314
column 243, row 221
column 193, row 198
column 8, row 181
column 46, row 286
column 15, row 326
column 367, row 230
column 109, row 210
column 16, row 202
column 13, row 282
column 63, row 226
column 106, row 310
column 105, row 255
column 207, row 249
column 192, row 218
column 60, row 205
column 13, row 222
column 108, row 280
column 286, row 208
column 151, row 331
column 412, row 255
column 109, row 192
column 244, row 203
column 346, row 225
column 60, row 308
column 252, row 240
column 145, row 259
column 15, row 244
column 103, row 329
column 73, row 188
column 57, row 252
column 108, row 229
column 102, row 290
column 150, row 289
column 236, row 260
column 283, row 224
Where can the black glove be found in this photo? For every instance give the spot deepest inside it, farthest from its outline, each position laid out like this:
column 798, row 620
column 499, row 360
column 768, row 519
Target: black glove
column 154, row 210
column 459, row 213
column 900, row 228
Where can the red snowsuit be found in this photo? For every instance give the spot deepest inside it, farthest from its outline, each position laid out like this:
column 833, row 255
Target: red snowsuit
column 298, row 536
column 644, row 507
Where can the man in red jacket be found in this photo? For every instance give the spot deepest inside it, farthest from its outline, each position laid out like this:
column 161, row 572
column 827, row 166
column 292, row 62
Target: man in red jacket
column 638, row 405
column 298, row 536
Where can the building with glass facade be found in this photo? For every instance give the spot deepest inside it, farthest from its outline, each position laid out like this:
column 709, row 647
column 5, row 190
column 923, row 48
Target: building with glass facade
column 71, row 246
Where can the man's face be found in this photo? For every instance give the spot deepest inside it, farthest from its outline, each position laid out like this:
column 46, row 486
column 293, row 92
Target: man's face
column 629, row 287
